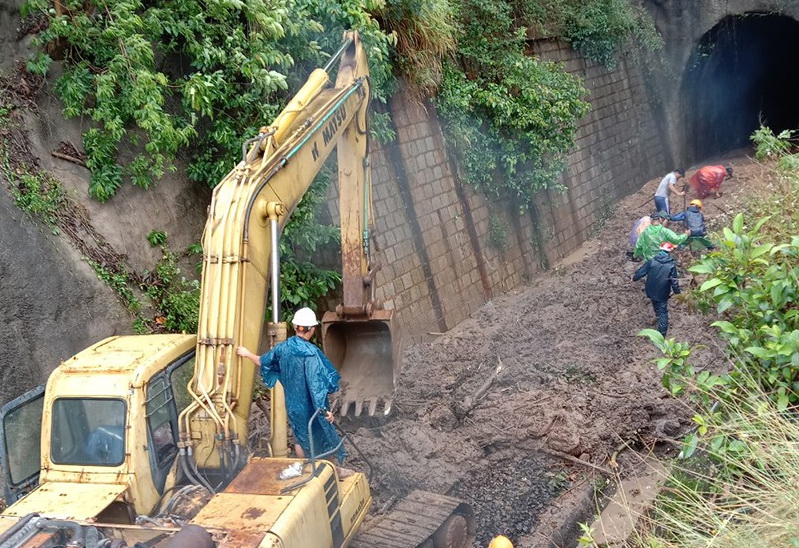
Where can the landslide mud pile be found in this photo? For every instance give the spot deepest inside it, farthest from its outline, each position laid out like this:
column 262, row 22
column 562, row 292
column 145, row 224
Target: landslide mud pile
column 575, row 380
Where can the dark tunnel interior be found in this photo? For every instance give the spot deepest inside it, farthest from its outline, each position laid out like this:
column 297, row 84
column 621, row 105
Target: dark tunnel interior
column 742, row 73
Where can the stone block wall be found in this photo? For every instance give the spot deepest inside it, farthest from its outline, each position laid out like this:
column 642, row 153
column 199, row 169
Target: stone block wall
column 432, row 230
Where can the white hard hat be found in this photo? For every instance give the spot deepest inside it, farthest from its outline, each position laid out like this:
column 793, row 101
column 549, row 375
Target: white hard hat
column 304, row 317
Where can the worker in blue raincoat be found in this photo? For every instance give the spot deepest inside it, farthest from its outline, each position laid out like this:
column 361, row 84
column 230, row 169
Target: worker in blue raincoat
column 307, row 377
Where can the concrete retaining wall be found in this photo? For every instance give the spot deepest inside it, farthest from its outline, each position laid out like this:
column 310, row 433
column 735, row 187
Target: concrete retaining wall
column 432, row 230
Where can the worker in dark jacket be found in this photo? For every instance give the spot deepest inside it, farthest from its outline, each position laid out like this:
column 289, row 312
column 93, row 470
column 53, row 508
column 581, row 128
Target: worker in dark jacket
column 661, row 280
column 694, row 221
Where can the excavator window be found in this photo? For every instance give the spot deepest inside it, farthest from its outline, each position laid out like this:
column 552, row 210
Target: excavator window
column 161, row 420
column 180, row 374
column 167, row 395
column 20, row 434
column 88, row 431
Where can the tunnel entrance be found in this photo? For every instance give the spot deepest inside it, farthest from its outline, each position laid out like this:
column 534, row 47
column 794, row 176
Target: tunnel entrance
column 741, row 74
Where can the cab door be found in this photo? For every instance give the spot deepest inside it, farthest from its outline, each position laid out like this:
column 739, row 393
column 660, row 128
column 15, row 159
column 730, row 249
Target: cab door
column 21, row 437
column 167, row 396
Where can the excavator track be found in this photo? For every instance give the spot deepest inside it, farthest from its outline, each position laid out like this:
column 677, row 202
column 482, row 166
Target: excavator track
column 421, row 520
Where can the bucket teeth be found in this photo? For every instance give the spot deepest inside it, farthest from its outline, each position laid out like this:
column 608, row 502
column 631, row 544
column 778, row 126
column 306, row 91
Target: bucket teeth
column 371, row 406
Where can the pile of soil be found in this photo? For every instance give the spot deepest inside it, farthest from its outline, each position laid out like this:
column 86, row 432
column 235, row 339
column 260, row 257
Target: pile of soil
column 576, row 381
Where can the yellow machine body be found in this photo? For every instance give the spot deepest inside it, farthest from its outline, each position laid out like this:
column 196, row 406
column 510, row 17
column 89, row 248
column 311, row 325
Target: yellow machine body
column 124, row 420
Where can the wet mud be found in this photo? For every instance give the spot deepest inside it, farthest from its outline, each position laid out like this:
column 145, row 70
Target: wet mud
column 575, row 383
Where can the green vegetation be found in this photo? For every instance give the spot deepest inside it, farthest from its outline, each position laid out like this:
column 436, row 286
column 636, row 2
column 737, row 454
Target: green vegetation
column 40, row 195
column 164, row 78
column 425, row 35
column 729, row 499
column 739, row 486
column 161, row 77
column 175, row 298
column 302, row 282
column 512, row 118
column 601, row 29
column 122, row 283
column 509, row 118
column 190, row 79
column 158, row 77
column 161, row 301
column 35, row 191
column 497, row 232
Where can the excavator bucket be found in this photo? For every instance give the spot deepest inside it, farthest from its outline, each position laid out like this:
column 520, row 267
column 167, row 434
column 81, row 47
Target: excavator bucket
column 366, row 353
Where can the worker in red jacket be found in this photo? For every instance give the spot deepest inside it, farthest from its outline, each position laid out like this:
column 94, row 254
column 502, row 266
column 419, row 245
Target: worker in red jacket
column 708, row 180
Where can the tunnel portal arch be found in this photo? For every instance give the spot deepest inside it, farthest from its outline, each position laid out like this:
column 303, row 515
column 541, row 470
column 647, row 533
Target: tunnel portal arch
column 741, row 73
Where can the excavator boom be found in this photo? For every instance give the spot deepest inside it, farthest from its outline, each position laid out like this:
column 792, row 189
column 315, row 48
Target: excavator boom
column 240, row 261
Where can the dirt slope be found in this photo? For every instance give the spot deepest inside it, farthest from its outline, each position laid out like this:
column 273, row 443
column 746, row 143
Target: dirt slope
column 575, row 379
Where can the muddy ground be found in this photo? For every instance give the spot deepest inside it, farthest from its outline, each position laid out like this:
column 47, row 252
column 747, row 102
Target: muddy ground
column 576, row 381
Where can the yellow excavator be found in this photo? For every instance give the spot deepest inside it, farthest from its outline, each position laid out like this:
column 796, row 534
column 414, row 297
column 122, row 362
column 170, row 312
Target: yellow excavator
column 143, row 439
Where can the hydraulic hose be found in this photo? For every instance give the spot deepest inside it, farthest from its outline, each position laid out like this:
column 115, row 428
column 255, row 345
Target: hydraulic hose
column 183, row 456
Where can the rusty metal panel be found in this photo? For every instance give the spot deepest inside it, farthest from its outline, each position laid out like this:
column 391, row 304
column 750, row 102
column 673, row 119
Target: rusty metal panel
column 63, row 500
column 242, row 539
column 242, row 513
column 262, row 477
column 40, row 540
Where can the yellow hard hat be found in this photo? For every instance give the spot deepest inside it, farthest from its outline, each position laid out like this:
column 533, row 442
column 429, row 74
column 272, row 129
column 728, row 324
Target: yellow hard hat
column 500, row 541
column 697, row 203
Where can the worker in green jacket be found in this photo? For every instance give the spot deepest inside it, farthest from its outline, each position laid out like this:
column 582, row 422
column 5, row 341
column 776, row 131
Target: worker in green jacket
column 648, row 244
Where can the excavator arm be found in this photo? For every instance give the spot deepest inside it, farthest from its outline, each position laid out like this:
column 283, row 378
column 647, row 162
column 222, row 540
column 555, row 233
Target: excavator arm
column 240, row 253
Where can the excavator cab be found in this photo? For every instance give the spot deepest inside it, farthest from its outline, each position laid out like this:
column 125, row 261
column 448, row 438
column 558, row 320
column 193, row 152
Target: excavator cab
column 366, row 352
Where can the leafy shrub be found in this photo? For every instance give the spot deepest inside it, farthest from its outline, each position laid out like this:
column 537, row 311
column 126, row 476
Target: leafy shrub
column 302, row 282
column 510, row 117
column 164, row 76
column 755, row 287
column 175, row 299
column 600, row 29
column 156, row 238
column 770, row 146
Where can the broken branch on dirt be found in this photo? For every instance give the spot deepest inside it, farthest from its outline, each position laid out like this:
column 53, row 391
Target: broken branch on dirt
column 68, row 158
column 565, row 456
column 464, row 407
